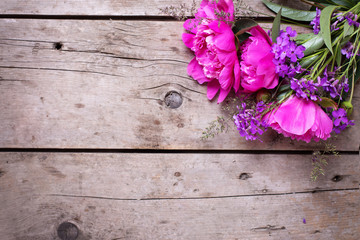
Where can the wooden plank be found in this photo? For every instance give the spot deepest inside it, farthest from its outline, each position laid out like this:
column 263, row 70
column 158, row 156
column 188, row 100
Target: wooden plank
column 144, row 176
column 134, row 196
column 105, row 88
column 120, row 8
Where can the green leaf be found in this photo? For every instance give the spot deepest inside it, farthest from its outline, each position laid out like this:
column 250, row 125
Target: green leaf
column 243, row 25
column 306, row 61
column 327, row 103
column 243, row 37
column 313, row 44
column 325, row 19
column 338, row 54
column 345, row 3
column 323, row 1
column 357, row 74
column 294, row 14
column 276, row 26
column 301, row 38
column 348, row 30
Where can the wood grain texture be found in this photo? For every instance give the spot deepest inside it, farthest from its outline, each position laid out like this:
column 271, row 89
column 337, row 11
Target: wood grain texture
column 118, row 7
column 147, row 176
column 105, row 88
column 176, row 196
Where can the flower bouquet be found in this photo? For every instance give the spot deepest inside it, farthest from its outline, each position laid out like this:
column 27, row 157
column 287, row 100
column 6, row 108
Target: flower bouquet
column 300, row 85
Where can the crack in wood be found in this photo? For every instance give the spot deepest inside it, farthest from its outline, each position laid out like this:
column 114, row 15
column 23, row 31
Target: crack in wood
column 63, row 70
column 170, row 84
column 202, row 198
column 268, row 228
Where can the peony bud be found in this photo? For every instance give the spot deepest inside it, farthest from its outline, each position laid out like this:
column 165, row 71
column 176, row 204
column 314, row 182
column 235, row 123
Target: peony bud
column 263, row 95
column 348, row 107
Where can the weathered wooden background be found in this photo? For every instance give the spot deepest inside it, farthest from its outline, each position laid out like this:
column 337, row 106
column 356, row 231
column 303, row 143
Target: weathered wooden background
column 90, row 149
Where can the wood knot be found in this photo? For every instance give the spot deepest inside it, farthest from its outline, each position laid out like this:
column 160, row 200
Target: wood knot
column 67, row 231
column 173, row 99
column 177, row 174
column 337, row 178
column 58, row 45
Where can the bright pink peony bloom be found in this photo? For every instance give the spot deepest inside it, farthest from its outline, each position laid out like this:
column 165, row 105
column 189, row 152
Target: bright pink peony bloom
column 300, row 119
column 257, row 67
column 213, row 43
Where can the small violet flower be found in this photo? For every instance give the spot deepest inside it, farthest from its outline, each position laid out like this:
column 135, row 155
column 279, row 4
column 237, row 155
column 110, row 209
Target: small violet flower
column 332, row 85
column 316, row 22
column 340, row 120
column 352, row 19
column 347, row 50
column 249, row 123
column 304, row 88
column 287, row 53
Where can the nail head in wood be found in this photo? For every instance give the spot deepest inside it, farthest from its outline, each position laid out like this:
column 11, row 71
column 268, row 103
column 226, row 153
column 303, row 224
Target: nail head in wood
column 67, row 231
column 173, row 99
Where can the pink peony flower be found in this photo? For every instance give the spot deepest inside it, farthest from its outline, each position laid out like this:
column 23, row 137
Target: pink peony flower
column 300, row 119
column 257, row 67
column 213, row 43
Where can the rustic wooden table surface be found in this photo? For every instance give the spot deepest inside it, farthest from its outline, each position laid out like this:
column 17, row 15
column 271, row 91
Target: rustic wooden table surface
column 90, row 149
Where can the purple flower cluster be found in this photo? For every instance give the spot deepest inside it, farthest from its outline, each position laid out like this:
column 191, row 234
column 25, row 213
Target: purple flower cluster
column 332, row 85
column 316, row 22
column 348, row 50
column 340, row 120
column 248, row 121
column 304, row 88
column 287, row 52
column 350, row 17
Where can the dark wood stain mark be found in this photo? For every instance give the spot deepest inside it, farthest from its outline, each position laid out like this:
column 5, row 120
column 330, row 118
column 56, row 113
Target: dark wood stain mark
column 177, row 174
column 42, row 158
column 80, row 105
column 54, row 172
column 2, row 172
column 42, row 99
column 175, row 49
column 164, row 39
column 149, row 131
column 36, row 48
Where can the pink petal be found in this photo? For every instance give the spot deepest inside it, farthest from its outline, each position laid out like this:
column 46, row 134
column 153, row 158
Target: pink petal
column 191, row 25
column 226, row 39
column 227, row 58
column 226, row 77
column 236, row 75
column 196, row 71
column 259, row 32
column 188, row 39
column 212, row 89
column 257, row 50
column 323, row 125
column 223, row 94
column 296, row 116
